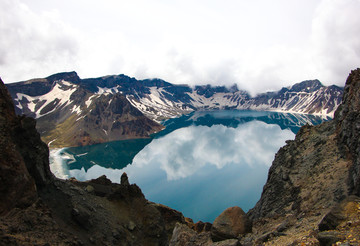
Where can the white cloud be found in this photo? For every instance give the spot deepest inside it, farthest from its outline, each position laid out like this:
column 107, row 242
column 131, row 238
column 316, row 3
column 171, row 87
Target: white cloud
column 33, row 45
column 260, row 45
column 336, row 39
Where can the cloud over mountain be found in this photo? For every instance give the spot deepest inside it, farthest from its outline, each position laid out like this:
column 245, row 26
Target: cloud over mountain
column 259, row 45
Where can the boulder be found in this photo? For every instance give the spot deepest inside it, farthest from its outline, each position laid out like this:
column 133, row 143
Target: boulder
column 230, row 224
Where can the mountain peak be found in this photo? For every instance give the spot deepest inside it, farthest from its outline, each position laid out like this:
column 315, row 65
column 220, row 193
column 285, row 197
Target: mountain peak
column 307, row 86
column 68, row 76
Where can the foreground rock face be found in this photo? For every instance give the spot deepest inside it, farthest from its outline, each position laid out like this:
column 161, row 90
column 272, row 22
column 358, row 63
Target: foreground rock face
column 38, row 209
column 306, row 175
column 320, row 167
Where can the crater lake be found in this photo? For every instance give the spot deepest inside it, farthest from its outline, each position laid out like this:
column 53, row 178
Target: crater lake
column 200, row 164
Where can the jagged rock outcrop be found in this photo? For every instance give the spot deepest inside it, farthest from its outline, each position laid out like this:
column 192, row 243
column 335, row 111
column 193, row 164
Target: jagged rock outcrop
column 39, row 209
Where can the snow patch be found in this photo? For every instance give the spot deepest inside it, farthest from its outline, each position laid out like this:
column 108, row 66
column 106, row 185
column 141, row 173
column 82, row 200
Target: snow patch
column 82, row 117
column 89, row 100
column 76, row 109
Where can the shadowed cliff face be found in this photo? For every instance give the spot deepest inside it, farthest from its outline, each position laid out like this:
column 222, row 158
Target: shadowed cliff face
column 28, row 145
column 17, row 187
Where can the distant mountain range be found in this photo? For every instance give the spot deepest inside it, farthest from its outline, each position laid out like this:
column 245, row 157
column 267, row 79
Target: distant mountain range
column 71, row 111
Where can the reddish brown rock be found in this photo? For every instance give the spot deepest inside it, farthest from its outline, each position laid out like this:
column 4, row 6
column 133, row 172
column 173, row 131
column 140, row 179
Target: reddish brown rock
column 230, row 224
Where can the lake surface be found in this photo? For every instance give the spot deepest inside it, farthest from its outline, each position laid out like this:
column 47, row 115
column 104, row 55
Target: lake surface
column 201, row 164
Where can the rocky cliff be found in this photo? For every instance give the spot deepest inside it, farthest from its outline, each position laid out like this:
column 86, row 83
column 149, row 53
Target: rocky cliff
column 347, row 122
column 313, row 174
column 38, row 209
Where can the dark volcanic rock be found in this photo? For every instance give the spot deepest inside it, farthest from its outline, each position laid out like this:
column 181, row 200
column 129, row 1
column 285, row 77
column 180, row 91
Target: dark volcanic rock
column 17, row 187
column 33, row 150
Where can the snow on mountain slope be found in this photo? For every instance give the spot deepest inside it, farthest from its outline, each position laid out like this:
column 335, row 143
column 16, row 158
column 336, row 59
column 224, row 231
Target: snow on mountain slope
column 157, row 106
column 221, row 100
column 42, row 105
column 316, row 99
column 308, row 97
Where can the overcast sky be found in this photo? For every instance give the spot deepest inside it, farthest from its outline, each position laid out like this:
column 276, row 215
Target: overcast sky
column 260, row 44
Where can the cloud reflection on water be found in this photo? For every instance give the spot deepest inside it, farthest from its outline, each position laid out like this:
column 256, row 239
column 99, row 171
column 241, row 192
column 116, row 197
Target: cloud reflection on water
column 186, row 150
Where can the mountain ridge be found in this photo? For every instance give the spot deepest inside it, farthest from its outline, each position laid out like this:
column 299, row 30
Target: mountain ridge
column 64, row 100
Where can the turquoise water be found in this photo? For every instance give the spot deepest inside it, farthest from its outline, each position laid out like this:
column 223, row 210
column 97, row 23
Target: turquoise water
column 200, row 164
